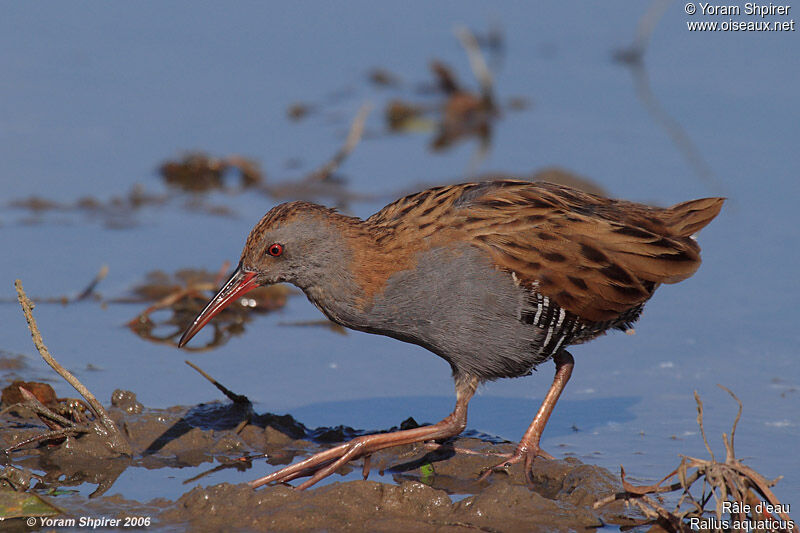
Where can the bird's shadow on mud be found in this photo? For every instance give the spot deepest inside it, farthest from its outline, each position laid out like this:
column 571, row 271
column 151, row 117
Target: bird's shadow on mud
column 225, row 417
column 492, row 418
column 232, row 417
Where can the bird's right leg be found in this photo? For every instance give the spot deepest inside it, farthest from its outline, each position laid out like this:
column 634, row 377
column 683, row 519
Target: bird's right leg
column 325, row 463
column 528, row 447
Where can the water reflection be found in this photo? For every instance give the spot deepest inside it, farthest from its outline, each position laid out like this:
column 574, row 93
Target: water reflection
column 184, row 294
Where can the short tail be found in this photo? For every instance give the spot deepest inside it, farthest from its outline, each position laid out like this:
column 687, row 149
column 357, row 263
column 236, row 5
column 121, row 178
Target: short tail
column 687, row 218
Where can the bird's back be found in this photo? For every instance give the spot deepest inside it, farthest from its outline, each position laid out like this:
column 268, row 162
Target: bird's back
column 595, row 257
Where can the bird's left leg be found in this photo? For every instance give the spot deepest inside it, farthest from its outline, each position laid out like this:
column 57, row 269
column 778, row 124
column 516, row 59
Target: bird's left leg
column 325, row 463
column 528, row 447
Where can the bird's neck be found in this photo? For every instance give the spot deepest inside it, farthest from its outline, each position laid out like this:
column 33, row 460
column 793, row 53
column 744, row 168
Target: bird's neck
column 350, row 262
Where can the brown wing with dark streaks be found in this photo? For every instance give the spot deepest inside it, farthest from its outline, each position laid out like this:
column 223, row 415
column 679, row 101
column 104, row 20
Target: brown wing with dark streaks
column 593, row 256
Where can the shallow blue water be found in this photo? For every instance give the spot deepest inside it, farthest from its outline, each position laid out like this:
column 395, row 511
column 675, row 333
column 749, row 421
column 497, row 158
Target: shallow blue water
column 92, row 102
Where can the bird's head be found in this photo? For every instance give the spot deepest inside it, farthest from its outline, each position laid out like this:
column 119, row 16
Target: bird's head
column 296, row 242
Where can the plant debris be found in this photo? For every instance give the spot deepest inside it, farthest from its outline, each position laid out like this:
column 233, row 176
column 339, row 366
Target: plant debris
column 185, row 294
column 731, row 485
column 10, row 361
column 381, row 77
column 323, row 182
column 298, row 111
column 100, row 423
column 118, row 212
column 20, row 504
column 85, row 294
column 232, row 396
column 42, row 391
column 199, row 172
column 463, row 114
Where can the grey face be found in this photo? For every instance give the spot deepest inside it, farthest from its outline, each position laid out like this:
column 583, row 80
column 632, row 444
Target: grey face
column 303, row 250
column 300, row 246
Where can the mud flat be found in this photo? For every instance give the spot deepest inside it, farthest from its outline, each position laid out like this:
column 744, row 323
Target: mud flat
column 420, row 489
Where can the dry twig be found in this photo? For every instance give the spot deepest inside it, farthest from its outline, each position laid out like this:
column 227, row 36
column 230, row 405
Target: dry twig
column 102, row 425
column 65, row 300
column 353, row 137
column 477, row 63
column 235, row 398
column 85, row 293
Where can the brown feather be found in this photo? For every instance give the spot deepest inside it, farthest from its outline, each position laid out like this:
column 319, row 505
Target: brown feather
column 687, row 218
column 595, row 257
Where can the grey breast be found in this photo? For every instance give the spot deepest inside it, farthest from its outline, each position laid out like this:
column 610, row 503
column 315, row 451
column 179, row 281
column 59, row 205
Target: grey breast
column 457, row 304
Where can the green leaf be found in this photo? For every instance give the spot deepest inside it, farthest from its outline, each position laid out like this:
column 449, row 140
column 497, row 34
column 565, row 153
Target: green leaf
column 60, row 492
column 427, row 473
column 15, row 504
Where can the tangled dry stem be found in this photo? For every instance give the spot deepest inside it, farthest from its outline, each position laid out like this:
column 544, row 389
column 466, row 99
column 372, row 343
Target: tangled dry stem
column 729, row 481
column 102, row 424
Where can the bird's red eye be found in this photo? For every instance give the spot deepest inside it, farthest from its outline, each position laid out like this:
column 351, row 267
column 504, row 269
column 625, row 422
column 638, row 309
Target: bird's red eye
column 275, row 249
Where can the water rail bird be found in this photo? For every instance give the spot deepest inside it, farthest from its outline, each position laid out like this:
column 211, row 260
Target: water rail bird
column 495, row 277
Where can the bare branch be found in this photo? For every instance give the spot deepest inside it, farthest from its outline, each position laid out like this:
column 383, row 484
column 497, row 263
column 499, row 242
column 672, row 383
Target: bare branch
column 85, row 293
column 738, row 416
column 477, row 63
column 700, row 423
column 114, row 439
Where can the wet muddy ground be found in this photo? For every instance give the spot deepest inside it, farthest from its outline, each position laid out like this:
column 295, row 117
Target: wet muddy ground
column 410, row 488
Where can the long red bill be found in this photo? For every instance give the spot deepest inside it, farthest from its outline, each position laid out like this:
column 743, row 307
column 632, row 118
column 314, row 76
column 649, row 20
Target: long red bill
column 238, row 284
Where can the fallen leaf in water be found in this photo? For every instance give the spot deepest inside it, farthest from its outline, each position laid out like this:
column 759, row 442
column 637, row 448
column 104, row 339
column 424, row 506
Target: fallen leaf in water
column 15, row 504
column 200, row 172
column 43, row 392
